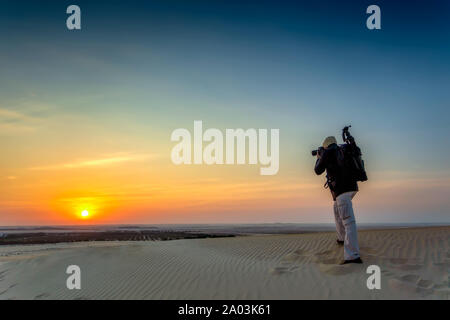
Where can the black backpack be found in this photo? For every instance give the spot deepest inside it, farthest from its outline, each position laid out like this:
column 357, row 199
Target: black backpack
column 349, row 159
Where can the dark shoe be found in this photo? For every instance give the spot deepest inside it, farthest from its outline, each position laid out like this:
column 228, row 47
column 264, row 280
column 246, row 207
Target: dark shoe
column 340, row 242
column 357, row 260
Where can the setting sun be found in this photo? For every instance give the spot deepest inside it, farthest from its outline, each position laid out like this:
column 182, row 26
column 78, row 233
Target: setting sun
column 84, row 213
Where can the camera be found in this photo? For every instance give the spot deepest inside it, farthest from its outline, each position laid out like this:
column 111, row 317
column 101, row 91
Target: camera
column 318, row 151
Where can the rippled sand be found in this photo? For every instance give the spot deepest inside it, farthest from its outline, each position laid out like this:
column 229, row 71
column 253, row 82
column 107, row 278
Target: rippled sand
column 414, row 265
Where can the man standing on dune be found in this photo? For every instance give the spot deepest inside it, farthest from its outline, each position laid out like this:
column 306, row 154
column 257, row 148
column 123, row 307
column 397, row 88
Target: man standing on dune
column 343, row 186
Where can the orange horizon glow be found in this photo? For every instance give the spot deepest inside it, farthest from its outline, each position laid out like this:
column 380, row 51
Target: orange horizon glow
column 122, row 193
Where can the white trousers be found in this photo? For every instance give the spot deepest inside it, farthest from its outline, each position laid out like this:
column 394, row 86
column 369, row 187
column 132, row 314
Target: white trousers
column 346, row 224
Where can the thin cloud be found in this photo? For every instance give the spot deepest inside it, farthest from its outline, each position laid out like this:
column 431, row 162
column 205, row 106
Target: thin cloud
column 6, row 114
column 96, row 162
column 13, row 122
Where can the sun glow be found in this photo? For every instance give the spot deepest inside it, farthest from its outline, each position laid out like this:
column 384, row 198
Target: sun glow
column 85, row 213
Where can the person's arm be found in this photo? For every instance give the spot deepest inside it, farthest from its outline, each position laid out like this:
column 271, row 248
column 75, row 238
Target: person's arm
column 352, row 143
column 353, row 147
column 320, row 163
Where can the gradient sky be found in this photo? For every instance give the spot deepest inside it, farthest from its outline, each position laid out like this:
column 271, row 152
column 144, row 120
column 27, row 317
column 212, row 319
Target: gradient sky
column 86, row 116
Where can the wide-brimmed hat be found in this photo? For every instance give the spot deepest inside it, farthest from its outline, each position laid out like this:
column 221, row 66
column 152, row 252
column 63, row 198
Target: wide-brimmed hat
column 329, row 141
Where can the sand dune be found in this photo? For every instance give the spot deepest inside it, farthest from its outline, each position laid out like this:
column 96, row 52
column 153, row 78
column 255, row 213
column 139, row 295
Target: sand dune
column 414, row 265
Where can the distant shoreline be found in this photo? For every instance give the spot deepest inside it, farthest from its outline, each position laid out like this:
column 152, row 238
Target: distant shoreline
column 64, row 237
column 53, row 235
column 239, row 228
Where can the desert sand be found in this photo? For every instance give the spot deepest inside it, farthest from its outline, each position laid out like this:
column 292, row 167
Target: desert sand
column 414, row 264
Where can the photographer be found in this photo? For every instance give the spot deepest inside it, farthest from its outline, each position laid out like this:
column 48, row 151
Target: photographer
column 342, row 182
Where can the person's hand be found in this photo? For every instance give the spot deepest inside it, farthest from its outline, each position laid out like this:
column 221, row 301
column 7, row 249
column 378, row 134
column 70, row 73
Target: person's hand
column 320, row 152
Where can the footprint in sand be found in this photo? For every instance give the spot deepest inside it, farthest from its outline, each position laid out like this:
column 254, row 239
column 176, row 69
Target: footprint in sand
column 412, row 284
column 291, row 262
column 2, row 274
column 302, row 252
column 410, row 278
column 296, row 255
column 327, row 260
column 286, row 267
column 386, row 272
column 425, row 284
column 293, row 257
column 397, row 261
column 333, row 268
column 41, row 296
column 329, row 263
column 405, row 264
column 10, row 287
column 279, row 270
column 368, row 251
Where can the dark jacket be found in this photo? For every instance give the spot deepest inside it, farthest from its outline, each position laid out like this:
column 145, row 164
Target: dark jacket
column 339, row 179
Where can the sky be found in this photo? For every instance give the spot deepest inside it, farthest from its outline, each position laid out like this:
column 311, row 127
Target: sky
column 86, row 115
